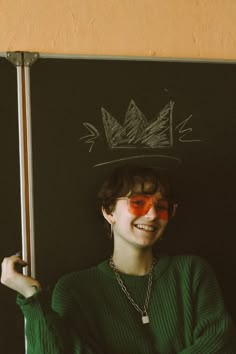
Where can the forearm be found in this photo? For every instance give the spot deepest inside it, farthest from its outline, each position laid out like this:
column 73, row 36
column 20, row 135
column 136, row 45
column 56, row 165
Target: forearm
column 215, row 337
column 46, row 331
column 211, row 347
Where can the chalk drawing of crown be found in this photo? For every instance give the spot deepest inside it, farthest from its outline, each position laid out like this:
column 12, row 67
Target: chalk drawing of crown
column 136, row 131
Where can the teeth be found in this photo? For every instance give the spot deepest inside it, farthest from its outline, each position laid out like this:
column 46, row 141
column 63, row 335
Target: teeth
column 145, row 227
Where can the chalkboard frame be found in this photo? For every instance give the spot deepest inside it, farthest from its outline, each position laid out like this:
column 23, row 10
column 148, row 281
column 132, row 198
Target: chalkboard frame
column 134, row 59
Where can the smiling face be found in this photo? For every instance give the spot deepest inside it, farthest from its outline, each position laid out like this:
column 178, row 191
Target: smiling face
column 139, row 230
column 137, row 202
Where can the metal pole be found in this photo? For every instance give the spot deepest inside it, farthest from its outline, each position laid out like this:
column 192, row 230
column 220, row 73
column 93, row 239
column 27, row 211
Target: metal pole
column 23, row 169
column 30, row 170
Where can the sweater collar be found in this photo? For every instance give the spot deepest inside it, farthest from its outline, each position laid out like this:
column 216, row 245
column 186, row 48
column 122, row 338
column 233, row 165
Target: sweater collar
column 159, row 269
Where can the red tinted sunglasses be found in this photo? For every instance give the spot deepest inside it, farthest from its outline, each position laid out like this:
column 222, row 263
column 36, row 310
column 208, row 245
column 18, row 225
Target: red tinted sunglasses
column 140, row 204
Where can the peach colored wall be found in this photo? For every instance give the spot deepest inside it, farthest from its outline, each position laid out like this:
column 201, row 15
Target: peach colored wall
column 162, row 28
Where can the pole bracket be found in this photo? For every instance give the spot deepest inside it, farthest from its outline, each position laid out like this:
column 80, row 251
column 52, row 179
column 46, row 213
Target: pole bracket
column 22, row 58
column 30, row 58
column 16, row 58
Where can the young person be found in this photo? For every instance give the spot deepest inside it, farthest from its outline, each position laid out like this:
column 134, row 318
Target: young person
column 134, row 302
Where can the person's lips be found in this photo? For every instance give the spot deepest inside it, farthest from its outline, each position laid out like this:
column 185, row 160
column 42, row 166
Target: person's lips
column 146, row 227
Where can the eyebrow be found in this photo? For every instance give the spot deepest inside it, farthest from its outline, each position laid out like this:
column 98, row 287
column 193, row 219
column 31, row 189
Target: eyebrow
column 146, row 194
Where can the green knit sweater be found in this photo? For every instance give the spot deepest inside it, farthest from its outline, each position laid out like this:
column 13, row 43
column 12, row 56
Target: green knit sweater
column 91, row 314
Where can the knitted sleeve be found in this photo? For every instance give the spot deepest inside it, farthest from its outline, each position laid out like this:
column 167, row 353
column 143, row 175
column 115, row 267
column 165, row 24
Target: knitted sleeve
column 213, row 332
column 49, row 331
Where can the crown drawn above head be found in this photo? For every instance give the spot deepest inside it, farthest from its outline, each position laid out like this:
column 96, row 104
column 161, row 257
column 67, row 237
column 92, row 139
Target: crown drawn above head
column 136, row 131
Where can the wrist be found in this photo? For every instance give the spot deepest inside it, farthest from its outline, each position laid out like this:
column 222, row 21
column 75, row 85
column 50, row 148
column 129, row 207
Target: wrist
column 31, row 290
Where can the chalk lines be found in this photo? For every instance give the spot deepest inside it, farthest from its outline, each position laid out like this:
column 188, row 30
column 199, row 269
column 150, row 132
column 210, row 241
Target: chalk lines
column 92, row 137
column 156, row 156
column 185, row 131
column 137, row 132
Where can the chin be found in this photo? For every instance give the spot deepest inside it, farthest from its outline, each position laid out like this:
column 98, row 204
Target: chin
column 143, row 246
column 147, row 243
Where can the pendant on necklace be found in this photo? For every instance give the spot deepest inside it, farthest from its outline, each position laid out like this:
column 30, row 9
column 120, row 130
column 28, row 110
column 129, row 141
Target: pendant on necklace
column 145, row 319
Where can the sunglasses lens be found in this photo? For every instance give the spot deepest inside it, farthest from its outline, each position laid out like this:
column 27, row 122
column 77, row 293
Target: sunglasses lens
column 140, row 204
column 162, row 209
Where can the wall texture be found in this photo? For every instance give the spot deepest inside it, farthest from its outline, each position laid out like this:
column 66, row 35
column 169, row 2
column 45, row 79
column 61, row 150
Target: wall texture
column 162, row 28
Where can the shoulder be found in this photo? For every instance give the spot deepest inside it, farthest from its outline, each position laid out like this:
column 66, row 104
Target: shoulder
column 74, row 279
column 69, row 286
column 189, row 261
column 196, row 270
column 190, row 266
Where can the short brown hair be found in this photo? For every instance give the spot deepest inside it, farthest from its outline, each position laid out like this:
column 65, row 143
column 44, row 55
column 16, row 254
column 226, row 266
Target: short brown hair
column 132, row 179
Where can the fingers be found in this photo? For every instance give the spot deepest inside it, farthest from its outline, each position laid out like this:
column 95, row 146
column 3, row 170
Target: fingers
column 19, row 254
column 11, row 266
column 19, row 264
column 13, row 260
column 12, row 277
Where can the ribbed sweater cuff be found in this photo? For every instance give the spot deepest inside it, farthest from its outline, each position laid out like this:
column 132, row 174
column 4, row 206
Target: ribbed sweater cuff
column 35, row 304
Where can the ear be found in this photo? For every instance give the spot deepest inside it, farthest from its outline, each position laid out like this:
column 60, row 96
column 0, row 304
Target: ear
column 174, row 210
column 109, row 217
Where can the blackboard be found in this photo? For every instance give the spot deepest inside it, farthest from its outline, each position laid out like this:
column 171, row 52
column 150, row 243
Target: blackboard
column 11, row 324
column 187, row 112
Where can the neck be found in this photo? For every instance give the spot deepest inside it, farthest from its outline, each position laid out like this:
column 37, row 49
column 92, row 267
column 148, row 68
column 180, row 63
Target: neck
column 133, row 261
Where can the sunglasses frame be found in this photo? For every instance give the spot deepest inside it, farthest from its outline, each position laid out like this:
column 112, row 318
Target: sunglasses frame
column 170, row 210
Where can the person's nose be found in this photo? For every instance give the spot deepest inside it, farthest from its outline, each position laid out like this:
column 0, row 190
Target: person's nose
column 152, row 213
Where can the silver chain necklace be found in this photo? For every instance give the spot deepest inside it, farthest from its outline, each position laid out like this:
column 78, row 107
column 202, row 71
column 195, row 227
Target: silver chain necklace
column 145, row 317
